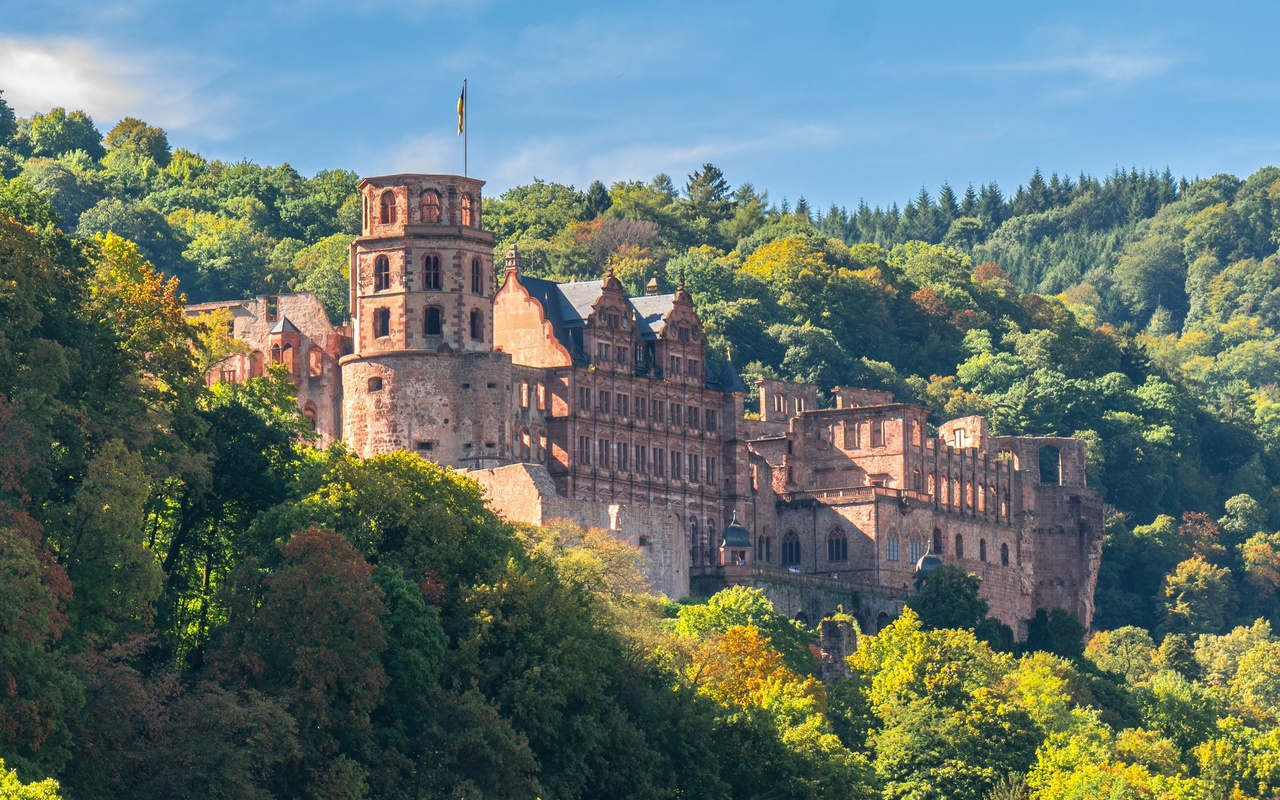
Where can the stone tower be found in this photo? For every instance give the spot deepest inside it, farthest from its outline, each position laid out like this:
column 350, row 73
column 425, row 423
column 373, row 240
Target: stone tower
column 423, row 375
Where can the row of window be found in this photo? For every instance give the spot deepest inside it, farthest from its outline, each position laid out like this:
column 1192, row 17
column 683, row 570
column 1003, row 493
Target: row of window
column 429, row 208
column 621, row 404
column 432, row 323
column 676, row 365
column 643, row 460
column 838, row 548
column 431, row 277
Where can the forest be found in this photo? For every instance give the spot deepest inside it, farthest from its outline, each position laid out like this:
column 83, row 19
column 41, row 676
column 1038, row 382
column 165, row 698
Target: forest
column 195, row 601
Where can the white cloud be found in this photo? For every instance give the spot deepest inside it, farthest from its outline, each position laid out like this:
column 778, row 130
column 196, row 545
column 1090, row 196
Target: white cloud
column 1099, row 64
column 38, row 75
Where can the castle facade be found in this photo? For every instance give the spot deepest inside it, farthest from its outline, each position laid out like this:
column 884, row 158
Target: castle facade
column 573, row 400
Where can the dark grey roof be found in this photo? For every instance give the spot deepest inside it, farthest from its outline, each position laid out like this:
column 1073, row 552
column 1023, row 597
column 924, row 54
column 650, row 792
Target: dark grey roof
column 729, row 380
column 284, row 326
column 735, row 535
column 651, row 313
column 578, row 298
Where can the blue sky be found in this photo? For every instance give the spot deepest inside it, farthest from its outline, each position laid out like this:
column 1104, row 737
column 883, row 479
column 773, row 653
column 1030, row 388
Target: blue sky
column 834, row 101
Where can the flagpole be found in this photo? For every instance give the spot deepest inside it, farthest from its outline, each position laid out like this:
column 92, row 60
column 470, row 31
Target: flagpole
column 465, row 127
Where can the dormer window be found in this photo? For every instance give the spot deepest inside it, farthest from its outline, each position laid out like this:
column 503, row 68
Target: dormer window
column 431, row 206
column 466, row 210
column 388, row 207
column 431, row 273
column 381, row 274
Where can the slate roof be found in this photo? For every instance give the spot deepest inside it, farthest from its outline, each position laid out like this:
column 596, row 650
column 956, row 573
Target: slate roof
column 567, row 306
column 284, row 326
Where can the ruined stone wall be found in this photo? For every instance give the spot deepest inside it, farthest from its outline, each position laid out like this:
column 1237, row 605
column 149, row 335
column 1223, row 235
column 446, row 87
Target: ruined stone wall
column 452, row 408
column 526, row 493
column 312, row 358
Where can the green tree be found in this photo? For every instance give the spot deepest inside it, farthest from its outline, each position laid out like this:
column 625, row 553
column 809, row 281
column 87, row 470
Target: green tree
column 947, row 597
column 15, row 789
column 739, row 606
column 1197, row 598
column 58, row 132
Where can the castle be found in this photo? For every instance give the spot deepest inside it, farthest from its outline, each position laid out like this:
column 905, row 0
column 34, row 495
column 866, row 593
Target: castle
column 573, row 400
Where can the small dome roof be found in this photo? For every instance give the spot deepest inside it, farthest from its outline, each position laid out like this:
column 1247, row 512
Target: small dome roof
column 928, row 563
column 735, row 535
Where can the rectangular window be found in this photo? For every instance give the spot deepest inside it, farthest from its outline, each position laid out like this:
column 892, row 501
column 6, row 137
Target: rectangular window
column 682, row 334
column 604, row 453
column 891, row 551
column 675, row 414
column 602, row 352
column 641, row 411
column 675, row 365
column 877, row 433
column 755, row 478
column 693, row 468
column 658, row 463
column 584, row 450
column 693, row 416
column 611, row 321
column 641, row 466
column 659, row 410
column 524, row 394
column 711, row 470
column 604, row 402
column 623, row 456
column 621, row 405
column 709, row 420
column 693, row 367
column 677, row 462
column 584, row 399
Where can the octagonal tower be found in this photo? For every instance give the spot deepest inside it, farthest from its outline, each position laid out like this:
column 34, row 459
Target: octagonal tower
column 423, row 376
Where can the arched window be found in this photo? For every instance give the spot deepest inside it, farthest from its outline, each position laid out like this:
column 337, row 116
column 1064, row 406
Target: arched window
column 434, row 323
column 959, row 546
column 255, row 365
column 431, row 206
column 891, row 547
column 477, row 326
column 388, row 207
column 837, row 546
column 286, row 357
column 466, row 210
column 913, row 551
column 882, row 621
column 764, row 549
column 982, row 549
column 477, row 277
column 915, row 432
column 937, row 541
column 382, row 323
column 1050, row 465
column 1004, row 555
column 381, row 274
column 309, row 413
column 916, row 481
column 695, row 549
column 431, row 273
column 275, row 354
column 790, row 549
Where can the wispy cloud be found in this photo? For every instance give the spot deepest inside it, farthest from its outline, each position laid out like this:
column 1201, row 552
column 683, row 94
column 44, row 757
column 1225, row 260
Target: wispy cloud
column 1099, row 64
column 37, row 75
